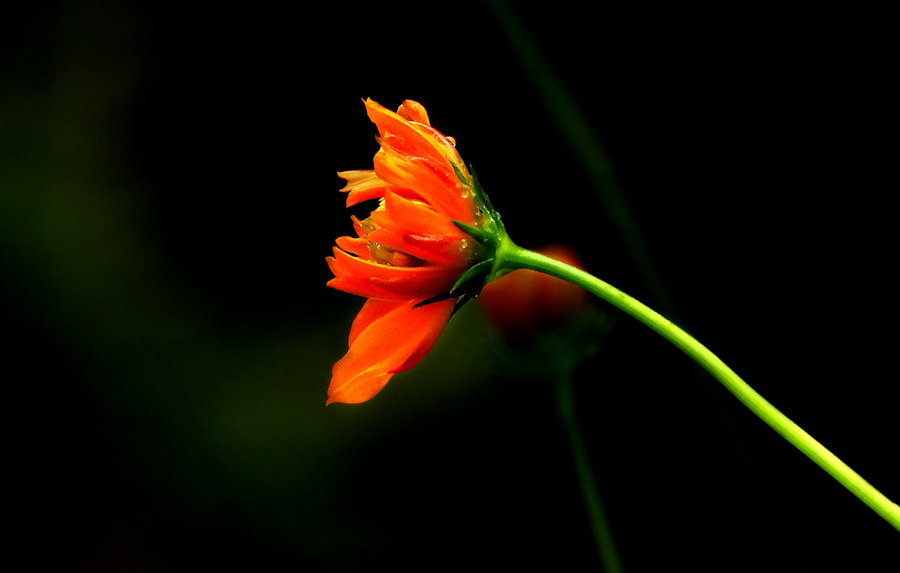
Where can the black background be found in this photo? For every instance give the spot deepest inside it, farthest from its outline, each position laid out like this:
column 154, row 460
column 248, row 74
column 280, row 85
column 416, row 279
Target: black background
column 168, row 195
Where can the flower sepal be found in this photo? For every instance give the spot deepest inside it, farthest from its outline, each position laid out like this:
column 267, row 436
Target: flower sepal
column 490, row 234
column 488, row 229
column 482, row 236
column 467, row 287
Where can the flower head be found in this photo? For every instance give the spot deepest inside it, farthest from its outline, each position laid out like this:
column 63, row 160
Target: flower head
column 408, row 254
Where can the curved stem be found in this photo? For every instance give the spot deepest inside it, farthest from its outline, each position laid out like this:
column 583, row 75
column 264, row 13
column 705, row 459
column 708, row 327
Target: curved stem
column 511, row 256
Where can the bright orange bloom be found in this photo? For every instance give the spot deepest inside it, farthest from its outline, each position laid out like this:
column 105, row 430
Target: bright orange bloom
column 406, row 252
column 524, row 303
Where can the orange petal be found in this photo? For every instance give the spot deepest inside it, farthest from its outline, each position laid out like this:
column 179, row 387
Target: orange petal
column 413, row 111
column 415, row 228
column 434, row 184
column 390, row 338
column 405, row 136
column 362, row 185
column 411, row 282
column 371, row 311
column 441, row 251
column 356, row 177
column 417, row 218
column 361, row 287
column 356, row 246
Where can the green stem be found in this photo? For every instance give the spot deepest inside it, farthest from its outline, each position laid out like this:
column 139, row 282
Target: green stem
column 606, row 546
column 511, row 256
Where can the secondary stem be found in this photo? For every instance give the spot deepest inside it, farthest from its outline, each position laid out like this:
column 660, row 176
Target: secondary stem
column 606, row 546
column 511, row 256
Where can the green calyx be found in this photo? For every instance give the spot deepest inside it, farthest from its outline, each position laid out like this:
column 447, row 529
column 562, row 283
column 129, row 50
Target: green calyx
column 490, row 234
column 494, row 246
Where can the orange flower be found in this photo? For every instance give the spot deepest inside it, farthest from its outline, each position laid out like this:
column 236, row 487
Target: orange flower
column 524, row 303
column 406, row 252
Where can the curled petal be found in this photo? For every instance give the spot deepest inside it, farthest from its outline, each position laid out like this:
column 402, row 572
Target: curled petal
column 415, row 138
column 386, row 338
column 355, row 246
column 413, row 111
column 362, row 287
column 407, row 137
column 433, row 250
column 410, row 282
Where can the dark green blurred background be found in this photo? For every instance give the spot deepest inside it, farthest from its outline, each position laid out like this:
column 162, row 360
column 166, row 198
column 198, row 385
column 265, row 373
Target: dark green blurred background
column 167, row 198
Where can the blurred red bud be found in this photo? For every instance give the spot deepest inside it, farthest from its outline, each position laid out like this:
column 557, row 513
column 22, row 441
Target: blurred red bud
column 525, row 303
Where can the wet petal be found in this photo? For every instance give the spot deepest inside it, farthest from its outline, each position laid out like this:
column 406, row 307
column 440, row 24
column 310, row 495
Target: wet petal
column 415, row 228
column 408, row 138
column 417, row 218
column 413, row 111
column 433, row 250
column 435, row 185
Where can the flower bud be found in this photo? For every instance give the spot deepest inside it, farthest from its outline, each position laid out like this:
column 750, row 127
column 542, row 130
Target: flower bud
column 525, row 303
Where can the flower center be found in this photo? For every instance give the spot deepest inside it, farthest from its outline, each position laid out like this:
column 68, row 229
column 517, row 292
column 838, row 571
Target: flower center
column 386, row 255
column 392, row 257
